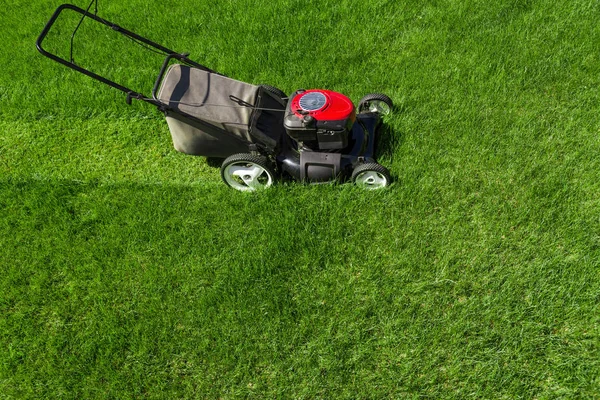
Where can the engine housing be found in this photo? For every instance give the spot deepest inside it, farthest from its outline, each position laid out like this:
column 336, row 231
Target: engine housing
column 320, row 117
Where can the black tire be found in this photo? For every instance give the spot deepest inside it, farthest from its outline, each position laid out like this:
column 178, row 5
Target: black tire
column 277, row 92
column 239, row 172
column 371, row 176
column 376, row 102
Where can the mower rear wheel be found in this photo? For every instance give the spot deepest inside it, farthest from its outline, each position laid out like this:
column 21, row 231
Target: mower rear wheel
column 277, row 92
column 247, row 172
column 376, row 103
column 371, row 176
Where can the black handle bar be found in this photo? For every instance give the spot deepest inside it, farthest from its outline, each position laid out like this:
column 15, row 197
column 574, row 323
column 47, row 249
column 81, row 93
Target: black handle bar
column 130, row 93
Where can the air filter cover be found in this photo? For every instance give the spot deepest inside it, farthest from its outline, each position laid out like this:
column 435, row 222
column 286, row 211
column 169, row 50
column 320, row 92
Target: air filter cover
column 312, row 101
column 323, row 105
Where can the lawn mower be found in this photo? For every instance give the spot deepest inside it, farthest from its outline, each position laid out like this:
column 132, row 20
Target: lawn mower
column 261, row 133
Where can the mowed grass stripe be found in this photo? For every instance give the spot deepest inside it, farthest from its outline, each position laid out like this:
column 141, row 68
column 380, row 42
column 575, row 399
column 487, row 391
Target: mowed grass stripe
column 248, row 298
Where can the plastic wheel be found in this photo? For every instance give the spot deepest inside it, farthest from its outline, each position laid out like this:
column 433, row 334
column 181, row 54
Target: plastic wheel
column 247, row 172
column 371, row 176
column 275, row 91
column 376, row 103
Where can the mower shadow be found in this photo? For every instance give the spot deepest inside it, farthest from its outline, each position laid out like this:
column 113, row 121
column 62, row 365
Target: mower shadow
column 387, row 142
column 214, row 162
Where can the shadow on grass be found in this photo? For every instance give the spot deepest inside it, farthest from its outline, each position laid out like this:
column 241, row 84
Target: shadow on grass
column 214, row 162
column 388, row 142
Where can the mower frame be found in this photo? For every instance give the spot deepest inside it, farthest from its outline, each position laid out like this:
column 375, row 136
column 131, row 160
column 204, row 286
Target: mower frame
column 289, row 156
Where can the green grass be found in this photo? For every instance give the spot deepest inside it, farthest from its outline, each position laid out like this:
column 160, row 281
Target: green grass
column 128, row 270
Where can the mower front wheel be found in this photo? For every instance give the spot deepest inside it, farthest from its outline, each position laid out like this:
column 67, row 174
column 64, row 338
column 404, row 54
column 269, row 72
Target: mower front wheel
column 371, row 176
column 376, row 103
column 247, row 172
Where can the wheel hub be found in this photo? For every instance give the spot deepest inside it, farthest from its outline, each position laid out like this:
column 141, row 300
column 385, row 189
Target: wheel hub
column 247, row 176
column 371, row 180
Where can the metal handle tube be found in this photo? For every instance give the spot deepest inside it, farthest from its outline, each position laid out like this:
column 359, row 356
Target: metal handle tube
column 98, row 19
column 130, row 93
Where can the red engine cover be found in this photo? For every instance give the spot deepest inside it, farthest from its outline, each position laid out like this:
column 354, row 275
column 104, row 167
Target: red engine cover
column 323, row 105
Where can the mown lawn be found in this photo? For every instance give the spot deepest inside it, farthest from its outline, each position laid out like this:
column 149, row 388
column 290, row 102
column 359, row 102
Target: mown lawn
column 129, row 270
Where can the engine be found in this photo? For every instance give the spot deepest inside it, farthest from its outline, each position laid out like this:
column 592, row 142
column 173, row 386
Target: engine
column 320, row 119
